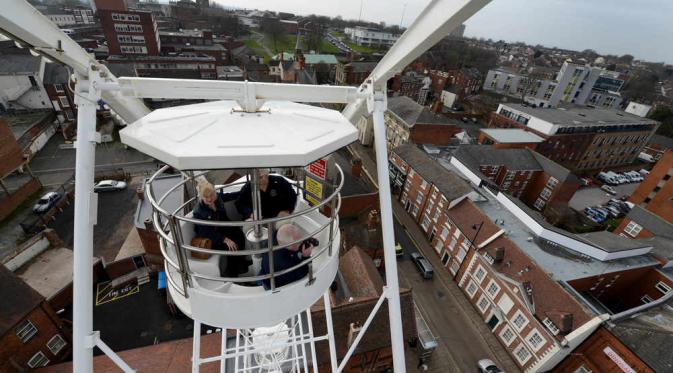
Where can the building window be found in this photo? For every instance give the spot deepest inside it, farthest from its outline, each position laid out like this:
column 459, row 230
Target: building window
column 59, row 88
column 480, row 273
column 632, row 229
column 445, row 258
column 539, row 204
column 507, row 335
column 38, row 360
column 452, row 245
column 69, row 115
column 483, row 304
column 545, row 194
column 25, row 331
column 522, row 354
column 415, row 211
column 436, row 217
column 535, row 339
column 550, row 325
column 492, row 289
column 461, row 255
column 64, row 101
column 424, row 184
column 444, row 234
column 132, row 39
column 646, row 299
column 519, row 320
column 471, row 288
column 663, row 287
column 426, row 223
column 56, row 344
column 419, row 198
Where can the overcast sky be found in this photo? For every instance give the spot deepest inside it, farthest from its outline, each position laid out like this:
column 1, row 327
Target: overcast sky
column 643, row 28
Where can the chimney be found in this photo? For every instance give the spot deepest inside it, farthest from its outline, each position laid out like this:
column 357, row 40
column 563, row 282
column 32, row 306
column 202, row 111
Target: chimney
column 148, row 224
column 499, row 254
column 282, row 55
column 566, row 323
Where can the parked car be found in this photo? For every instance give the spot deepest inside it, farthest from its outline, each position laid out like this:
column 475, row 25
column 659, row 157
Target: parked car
column 586, row 181
column 423, row 266
column 488, row 366
column 614, row 212
column 398, row 250
column 643, row 172
column 609, row 189
column 46, row 202
column 109, row 186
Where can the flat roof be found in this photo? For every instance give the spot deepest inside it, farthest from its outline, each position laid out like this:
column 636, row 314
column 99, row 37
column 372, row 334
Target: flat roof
column 581, row 115
column 49, row 272
column 511, row 135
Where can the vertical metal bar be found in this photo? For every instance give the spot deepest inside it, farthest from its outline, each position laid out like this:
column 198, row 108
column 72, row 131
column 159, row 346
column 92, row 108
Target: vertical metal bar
column 331, row 224
column 310, row 331
column 223, row 349
column 236, row 357
column 174, row 226
column 256, row 203
column 330, row 332
column 303, row 344
column 295, row 361
column 83, row 232
column 196, row 347
column 393, row 289
column 272, row 270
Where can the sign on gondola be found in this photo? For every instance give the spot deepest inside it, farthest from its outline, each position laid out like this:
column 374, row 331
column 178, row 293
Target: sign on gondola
column 314, row 187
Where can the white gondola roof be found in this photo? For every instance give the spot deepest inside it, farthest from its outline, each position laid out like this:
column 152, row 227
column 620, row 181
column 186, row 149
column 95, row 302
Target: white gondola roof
column 215, row 135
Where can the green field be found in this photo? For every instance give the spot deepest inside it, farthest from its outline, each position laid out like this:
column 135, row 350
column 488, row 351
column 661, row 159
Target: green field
column 256, row 48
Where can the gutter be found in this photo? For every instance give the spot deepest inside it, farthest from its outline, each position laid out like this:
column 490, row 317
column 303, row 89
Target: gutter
column 633, row 311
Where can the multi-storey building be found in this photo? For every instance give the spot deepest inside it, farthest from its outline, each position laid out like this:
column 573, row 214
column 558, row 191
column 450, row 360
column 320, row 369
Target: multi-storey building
column 130, row 33
column 198, row 42
column 370, row 37
column 541, row 290
column 463, row 82
column 407, row 121
column 202, row 67
column 655, row 193
column 522, row 173
column 62, row 98
column 353, row 73
column 573, row 84
column 580, row 138
column 31, row 333
column 508, row 138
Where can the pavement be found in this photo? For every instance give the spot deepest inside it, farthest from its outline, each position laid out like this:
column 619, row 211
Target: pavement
column 464, row 337
column 595, row 196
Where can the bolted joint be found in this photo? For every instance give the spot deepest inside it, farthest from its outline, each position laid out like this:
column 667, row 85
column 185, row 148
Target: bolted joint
column 91, row 340
column 377, row 100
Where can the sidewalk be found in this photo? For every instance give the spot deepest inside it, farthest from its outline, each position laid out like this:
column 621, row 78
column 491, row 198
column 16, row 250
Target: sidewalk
column 498, row 353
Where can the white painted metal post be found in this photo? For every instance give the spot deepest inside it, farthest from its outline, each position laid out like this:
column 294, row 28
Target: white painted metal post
column 85, row 210
column 378, row 103
column 223, row 349
column 330, row 332
column 196, row 347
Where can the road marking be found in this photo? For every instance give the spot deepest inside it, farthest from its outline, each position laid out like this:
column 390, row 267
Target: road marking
column 106, row 294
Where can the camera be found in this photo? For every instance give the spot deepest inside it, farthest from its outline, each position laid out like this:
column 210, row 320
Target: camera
column 310, row 241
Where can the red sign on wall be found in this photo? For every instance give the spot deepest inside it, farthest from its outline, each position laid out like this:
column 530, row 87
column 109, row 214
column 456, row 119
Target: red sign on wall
column 318, row 168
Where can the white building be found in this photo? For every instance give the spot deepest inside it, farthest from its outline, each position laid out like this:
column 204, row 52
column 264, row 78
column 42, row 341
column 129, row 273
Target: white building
column 21, row 85
column 574, row 84
column 640, row 110
column 62, row 18
column 370, row 37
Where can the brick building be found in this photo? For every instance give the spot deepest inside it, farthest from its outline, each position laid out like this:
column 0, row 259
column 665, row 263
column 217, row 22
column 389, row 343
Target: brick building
column 408, row 122
column 31, row 333
column 655, row 193
column 658, row 145
column 202, row 67
column 580, row 138
column 539, row 289
column 522, row 173
column 62, row 98
column 193, row 42
column 353, row 73
column 130, row 33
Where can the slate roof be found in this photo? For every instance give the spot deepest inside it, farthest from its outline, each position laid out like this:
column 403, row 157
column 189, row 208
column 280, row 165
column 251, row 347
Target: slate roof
column 662, row 246
column 610, row 242
column 581, row 116
column 450, row 184
column 649, row 335
column 651, row 222
column 19, row 64
column 55, row 74
column 311, row 59
column 18, row 299
column 412, row 113
column 513, row 159
column 361, row 67
column 554, row 169
column 663, row 141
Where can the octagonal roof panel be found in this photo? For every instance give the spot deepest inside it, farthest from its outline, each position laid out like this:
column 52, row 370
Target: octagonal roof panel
column 214, row 135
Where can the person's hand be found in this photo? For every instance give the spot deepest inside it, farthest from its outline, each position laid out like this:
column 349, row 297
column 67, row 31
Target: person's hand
column 283, row 213
column 306, row 250
column 232, row 245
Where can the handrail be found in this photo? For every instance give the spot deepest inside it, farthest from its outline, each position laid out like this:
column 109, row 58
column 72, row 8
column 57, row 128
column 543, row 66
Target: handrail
column 172, row 221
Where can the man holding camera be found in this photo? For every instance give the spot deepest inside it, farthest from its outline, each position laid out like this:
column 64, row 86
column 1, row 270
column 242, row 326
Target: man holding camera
column 292, row 254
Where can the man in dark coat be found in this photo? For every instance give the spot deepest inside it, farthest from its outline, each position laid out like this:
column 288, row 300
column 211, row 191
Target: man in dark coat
column 277, row 197
column 287, row 257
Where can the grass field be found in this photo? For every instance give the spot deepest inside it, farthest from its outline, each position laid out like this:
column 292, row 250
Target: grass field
column 256, row 48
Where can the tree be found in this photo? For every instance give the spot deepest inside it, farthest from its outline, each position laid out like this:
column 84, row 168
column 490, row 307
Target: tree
column 627, row 59
column 274, row 30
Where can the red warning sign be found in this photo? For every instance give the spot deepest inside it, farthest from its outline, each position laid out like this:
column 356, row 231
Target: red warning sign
column 318, row 168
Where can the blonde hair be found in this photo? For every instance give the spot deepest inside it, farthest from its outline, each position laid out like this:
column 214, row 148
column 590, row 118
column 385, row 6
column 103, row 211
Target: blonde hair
column 204, row 188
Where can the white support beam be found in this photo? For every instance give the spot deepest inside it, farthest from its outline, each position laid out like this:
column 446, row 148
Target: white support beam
column 231, row 90
column 436, row 21
column 28, row 27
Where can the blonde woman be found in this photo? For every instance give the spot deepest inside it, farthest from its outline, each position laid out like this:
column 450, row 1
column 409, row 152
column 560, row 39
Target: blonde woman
column 211, row 207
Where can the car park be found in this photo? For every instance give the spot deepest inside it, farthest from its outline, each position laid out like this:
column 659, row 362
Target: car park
column 488, row 366
column 109, row 186
column 609, row 189
column 614, row 212
column 423, row 265
column 46, row 202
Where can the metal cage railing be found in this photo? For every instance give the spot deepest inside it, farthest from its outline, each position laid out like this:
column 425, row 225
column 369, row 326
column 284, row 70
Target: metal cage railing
column 167, row 224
